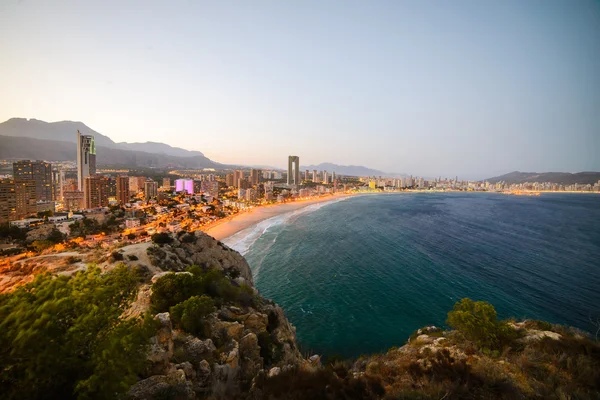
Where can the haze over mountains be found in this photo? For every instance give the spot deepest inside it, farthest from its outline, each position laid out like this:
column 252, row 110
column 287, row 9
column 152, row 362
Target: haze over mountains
column 563, row 178
column 35, row 139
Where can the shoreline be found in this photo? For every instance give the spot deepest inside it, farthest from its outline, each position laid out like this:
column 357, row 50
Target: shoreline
column 228, row 227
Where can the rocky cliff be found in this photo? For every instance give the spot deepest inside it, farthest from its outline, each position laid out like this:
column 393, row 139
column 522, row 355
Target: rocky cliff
column 241, row 342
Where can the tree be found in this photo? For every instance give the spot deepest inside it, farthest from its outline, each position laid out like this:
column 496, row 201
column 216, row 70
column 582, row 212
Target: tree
column 56, row 236
column 478, row 322
column 190, row 314
column 63, row 337
column 162, row 238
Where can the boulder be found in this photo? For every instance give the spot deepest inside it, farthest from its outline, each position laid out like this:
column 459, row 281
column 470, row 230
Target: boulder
column 155, row 387
column 193, row 349
column 256, row 322
column 274, row 372
column 161, row 345
column 251, row 361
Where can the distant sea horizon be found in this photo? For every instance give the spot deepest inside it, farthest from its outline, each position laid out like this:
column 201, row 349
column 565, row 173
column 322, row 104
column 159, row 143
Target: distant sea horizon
column 360, row 274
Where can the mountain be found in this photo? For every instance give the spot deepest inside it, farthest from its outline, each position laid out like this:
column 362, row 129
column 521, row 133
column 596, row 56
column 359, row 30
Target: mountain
column 55, row 150
column 351, row 170
column 564, row 178
column 66, row 131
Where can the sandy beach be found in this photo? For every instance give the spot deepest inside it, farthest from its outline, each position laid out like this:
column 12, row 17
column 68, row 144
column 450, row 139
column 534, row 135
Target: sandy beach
column 231, row 225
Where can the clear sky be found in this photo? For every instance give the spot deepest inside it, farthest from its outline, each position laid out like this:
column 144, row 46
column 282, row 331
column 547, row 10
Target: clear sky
column 468, row 88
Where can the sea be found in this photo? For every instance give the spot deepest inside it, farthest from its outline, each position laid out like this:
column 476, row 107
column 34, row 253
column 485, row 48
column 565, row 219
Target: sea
column 359, row 275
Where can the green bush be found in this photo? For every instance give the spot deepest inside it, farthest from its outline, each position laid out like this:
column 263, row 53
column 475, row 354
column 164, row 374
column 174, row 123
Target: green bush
column 189, row 315
column 162, row 238
column 478, row 322
column 173, row 289
column 64, row 338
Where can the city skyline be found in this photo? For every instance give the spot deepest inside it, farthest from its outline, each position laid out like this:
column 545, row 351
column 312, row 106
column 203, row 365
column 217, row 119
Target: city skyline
column 425, row 88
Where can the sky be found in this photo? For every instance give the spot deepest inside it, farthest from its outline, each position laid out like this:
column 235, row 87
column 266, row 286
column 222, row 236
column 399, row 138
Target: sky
column 468, row 88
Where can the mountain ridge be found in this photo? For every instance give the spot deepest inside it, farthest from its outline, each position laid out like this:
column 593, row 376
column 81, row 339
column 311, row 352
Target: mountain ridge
column 352, row 170
column 564, row 178
column 15, row 147
column 65, row 131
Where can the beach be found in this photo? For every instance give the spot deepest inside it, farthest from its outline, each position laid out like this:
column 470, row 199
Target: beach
column 229, row 226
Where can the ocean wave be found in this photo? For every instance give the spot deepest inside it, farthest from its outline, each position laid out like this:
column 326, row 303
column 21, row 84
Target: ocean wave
column 244, row 239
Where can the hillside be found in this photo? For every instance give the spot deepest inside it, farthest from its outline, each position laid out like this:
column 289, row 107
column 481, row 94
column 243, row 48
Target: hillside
column 65, row 131
column 12, row 147
column 563, row 178
column 180, row 319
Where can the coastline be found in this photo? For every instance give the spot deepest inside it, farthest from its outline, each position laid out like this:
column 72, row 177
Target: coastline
column 228, row 227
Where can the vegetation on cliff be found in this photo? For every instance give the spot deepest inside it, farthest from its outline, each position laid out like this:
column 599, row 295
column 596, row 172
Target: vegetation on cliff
column 212, row 336
column 63, row 337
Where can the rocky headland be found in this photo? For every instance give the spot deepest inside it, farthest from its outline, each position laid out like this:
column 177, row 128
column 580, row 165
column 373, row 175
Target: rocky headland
column 213, row 336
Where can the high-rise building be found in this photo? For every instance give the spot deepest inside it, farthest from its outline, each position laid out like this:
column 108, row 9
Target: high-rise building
column 237, row 175
column 73, row 200
column 150, row 189
column 251, row 194
column 325, row 177
column 136, row 184
column 229, row 180
column 123, row 189
column 184, row 185
column 315, row 176
column 8, row 201
column 211, row 188
column 86, row 159
column 243, row 183
column 25, row 191
column 96, row 191
column 38, row 171
column 293, row 177
column 166, row 183
column 254, row 176
column 306, row 174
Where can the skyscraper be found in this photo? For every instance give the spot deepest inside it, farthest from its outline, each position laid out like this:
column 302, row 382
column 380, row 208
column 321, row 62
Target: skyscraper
column 8, row 201
column 150, row 189
column 166, row 183
column 38, row 171
column 96, row 191
column 325, row 177
column 293, row 177
column 306, row 175
column 122, row 189
column 26, row 204
column 86, row 158
column 315, row 177
column 237, row 175
column 254, row 175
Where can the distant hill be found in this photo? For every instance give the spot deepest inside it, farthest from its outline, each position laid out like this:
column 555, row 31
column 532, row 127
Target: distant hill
column 55, row 150
column 351, row 170
column 564, row 178
column 66, row 131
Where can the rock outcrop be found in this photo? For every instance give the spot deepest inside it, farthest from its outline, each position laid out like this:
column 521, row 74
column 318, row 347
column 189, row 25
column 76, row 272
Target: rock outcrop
column 241, row 342
column 199, row 249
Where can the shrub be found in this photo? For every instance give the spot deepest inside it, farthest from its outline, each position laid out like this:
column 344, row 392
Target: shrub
column 173, row 289
column 131, row 236
column 62, row 337
column 41, row 245
column 478, row 322
column 132, row 257
column 189, row 315
column 73, row 260
column 319, row 384
column 162, row 238
column 188, row 238
column 117, row 256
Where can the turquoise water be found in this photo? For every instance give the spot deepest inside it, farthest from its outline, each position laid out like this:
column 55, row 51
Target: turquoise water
column 360, row 275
